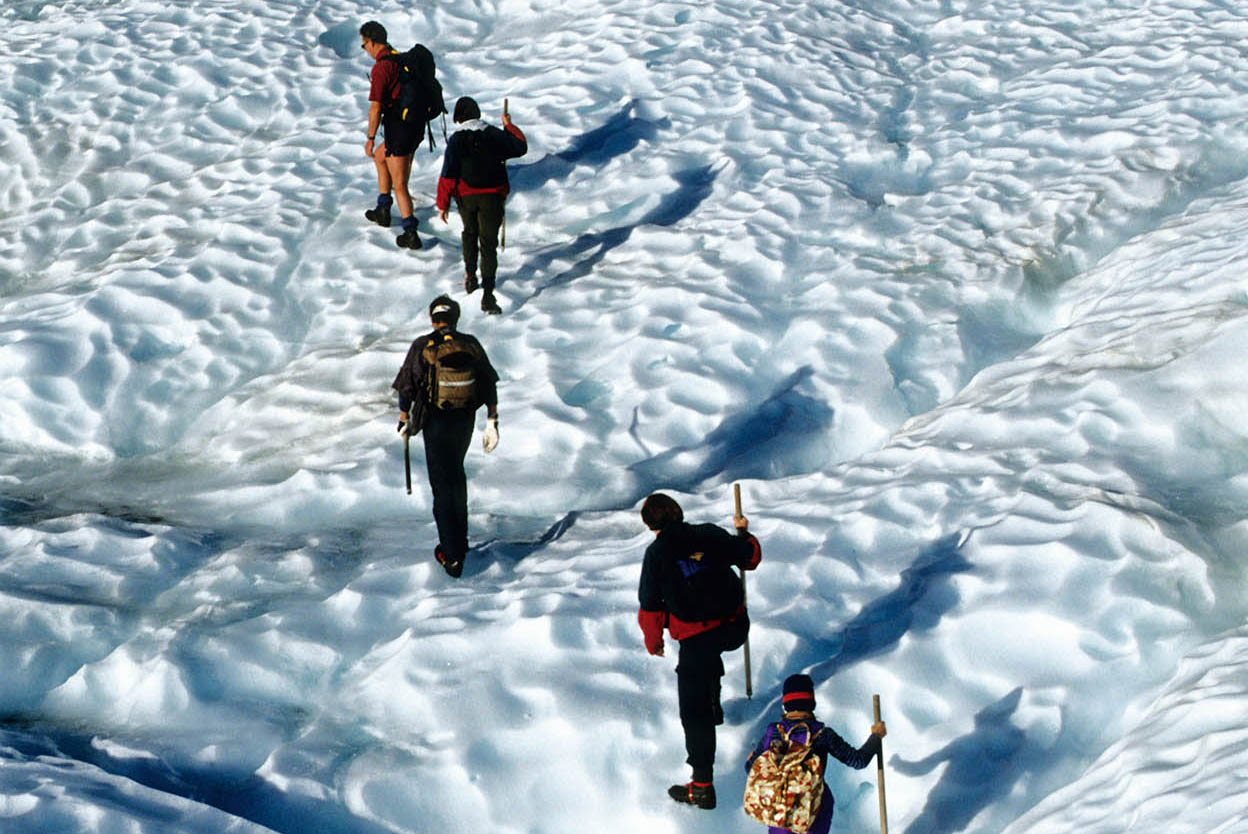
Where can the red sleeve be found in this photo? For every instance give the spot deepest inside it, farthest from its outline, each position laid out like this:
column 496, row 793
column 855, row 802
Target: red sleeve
column 652, row 623
column 446, row 189
column 757, row 555
column 516, row 132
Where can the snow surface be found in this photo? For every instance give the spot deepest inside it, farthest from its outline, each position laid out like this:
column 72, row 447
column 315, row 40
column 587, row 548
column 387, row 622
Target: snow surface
column 954, row 290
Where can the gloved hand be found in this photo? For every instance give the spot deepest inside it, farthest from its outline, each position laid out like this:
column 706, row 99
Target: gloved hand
column 491, row 435
column 404, row 429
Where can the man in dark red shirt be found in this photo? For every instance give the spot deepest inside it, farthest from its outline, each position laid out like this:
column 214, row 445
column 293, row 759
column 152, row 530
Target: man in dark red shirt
column 393, row 156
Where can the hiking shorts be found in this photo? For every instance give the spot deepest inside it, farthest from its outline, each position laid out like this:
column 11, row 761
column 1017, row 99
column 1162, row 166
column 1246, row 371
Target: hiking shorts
column 401, row 137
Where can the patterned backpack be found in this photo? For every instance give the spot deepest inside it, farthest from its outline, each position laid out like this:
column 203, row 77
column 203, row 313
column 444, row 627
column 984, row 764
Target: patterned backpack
column 785, row 785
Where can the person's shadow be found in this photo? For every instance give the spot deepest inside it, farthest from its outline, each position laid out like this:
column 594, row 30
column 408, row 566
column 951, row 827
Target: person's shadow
column 983, row 766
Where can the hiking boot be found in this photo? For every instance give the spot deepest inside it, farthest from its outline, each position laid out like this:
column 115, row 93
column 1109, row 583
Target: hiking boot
column 694, row 793
column 489, row 305
column 379, row 215
column 454, row 567
column 470, row 283
column 409, row 239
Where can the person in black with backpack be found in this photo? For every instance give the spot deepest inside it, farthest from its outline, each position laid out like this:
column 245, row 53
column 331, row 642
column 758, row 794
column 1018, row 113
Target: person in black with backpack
column 474, row 172
column 688, row 586
column 445, row 378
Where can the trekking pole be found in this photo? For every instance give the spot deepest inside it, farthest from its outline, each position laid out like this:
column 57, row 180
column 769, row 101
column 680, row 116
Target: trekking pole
column 879, row 770
column 749, row 683
column 407, row 461
column 503, row 222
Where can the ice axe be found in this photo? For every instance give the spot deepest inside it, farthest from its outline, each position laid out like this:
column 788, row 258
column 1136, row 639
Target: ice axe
column 879, row 770
column 407, row 460
column 749, row 683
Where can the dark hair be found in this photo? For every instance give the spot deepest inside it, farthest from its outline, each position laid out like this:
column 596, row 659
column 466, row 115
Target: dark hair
column 466, row 110
column 444, row 309
column 374, row 32
column 659, row 510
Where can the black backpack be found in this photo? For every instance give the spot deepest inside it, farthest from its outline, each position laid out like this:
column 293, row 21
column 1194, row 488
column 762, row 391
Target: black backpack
column 704, row 585
column 420, row 94
column 476, row 165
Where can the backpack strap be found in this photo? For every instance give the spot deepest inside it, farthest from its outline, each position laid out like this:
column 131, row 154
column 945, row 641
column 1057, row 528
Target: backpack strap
column 431, row 363
column 788, row 735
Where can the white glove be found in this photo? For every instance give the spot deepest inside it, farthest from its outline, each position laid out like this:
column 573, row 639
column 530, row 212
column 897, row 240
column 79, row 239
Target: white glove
column 405, row 428
column 491, row 435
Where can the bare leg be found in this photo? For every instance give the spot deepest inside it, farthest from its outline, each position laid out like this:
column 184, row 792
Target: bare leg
column 383, row 173
column 399, row 170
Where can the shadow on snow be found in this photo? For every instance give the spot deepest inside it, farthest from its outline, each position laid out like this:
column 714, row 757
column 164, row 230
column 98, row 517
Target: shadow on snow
column 481, row 555
column 918, row 603
column 587, row 250
column 770, row 441
column 244, row 795
column 980, row 768
column 619, row 135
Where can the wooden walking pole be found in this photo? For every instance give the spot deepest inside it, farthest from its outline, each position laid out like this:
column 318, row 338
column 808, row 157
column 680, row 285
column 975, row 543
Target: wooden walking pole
column 879, row 770
column 503, row 221
column 749, row 683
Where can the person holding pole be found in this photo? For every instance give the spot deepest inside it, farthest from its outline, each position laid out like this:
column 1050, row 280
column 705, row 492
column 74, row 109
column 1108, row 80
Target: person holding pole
column 445, row 378
column 798, row 727
column 745, row 649
column 474, row 172
column 879, row 768
column 688, row 586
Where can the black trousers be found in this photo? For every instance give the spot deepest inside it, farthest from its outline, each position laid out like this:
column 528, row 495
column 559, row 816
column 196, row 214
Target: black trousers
column 447, row 435
column 699, row 671
column 482, row 215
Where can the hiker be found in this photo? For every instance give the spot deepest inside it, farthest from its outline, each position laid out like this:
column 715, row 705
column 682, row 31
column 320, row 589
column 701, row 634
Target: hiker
column 688, row 586
column 393, row 156
column 475, row 174
column 445, row 378
column 808, row 812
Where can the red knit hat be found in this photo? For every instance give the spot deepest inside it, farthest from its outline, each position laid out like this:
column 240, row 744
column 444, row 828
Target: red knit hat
column 799, row 694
